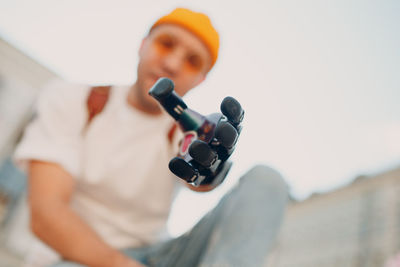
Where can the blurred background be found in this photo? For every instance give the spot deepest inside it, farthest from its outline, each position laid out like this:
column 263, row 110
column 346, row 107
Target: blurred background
column 319, row 81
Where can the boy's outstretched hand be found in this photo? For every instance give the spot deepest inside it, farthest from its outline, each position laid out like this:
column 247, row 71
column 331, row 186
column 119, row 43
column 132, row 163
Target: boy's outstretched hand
column 210, row 164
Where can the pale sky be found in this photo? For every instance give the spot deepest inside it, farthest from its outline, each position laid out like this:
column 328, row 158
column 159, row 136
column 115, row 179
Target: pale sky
column 319, row 80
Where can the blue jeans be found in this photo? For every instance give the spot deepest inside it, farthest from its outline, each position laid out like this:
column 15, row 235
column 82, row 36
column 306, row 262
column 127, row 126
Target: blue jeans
column 238, row 232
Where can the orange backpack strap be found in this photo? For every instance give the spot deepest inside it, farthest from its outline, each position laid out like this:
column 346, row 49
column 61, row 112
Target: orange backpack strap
column 171, row 133
column 96, row 101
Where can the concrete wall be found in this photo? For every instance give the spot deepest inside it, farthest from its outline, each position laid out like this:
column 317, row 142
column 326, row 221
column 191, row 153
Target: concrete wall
column 357, row 225
column 20, row 81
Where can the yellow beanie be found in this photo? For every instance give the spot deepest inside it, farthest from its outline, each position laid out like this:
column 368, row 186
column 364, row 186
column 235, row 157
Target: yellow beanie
column 198, row 23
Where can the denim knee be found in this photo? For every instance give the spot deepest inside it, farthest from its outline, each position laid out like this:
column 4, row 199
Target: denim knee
column 262, row 177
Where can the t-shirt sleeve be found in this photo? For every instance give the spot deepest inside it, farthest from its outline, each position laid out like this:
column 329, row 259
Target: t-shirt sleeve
column 55, row 133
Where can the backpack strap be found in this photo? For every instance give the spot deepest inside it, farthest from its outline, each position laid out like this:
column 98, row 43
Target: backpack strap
column 97, row 100
column 171, row 133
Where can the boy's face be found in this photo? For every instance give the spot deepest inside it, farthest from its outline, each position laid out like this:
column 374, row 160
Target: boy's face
column 173, row 52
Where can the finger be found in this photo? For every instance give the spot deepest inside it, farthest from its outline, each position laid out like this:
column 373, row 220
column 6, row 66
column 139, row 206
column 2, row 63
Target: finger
column 202, row 153
column 232, row 109
column 183, row 170
column 226, row 134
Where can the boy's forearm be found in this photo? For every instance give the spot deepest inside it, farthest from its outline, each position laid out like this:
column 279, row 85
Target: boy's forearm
column 63, row 230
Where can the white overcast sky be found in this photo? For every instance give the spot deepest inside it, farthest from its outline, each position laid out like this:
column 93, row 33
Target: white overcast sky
column 319, row 80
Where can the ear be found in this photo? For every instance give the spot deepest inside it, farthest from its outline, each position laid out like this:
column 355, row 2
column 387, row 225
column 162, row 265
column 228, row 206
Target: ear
column 142, row 44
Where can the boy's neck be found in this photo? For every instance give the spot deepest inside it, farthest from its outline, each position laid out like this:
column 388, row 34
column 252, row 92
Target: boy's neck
column 145, row 104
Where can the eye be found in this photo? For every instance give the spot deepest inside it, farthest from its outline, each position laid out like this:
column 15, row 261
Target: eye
column 165, row 42
column 195, row 62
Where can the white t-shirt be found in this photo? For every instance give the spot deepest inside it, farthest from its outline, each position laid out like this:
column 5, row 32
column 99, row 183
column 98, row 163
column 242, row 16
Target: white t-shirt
column 124, row 189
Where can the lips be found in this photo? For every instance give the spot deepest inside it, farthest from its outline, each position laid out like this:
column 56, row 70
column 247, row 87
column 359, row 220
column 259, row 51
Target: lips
column 157, row 76
column 153, row 78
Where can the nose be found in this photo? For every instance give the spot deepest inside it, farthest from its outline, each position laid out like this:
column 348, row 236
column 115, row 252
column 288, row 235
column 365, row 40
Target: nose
column 173, row 62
